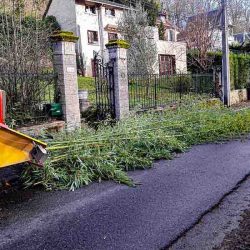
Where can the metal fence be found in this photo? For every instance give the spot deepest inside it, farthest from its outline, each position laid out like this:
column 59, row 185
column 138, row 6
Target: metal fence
column 104, row 84
column 29, row 96
column 152, row 91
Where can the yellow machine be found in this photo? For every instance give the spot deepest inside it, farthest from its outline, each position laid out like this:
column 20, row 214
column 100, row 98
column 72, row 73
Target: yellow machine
column 16, row 147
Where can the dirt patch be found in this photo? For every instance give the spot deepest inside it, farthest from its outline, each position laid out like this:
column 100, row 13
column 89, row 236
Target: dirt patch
column 238, row 239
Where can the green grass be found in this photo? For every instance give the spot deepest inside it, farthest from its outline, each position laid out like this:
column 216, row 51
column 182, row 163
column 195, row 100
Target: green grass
column 88, row 83
column 167, row 92
column 78, row 158
column 140, row 97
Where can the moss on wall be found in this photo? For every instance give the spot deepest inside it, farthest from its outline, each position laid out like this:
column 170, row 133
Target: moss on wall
column 66, row 36
column 120, row 43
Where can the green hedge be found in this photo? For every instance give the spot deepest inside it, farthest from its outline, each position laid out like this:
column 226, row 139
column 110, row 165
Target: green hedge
column 239, row 68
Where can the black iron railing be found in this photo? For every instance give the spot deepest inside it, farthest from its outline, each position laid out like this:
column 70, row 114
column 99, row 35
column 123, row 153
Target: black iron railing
column 152, row 91
column 28, row 95
column 104, row 84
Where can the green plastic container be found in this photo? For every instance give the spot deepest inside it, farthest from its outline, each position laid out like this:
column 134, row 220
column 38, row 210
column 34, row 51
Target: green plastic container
column 56, row 110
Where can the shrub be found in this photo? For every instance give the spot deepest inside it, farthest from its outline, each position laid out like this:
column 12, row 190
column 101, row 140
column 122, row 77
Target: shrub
column 52, row 23
column 239, row 68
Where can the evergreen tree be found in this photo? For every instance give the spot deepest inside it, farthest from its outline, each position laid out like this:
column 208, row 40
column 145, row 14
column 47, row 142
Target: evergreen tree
column 152, row 8
column 161, row 31
column 142, row 55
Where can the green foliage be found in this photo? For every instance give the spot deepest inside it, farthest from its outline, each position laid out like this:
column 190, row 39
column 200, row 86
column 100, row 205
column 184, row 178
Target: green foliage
column 161, row 31
column 121, row 43
column 180, row 83
column 64, row 36
column 51, row 22
column 240, row 47
column 78, row 158
column 28, row 22
column 239, row 68
column 151, row 6
column 88, row 83
column 134, row 26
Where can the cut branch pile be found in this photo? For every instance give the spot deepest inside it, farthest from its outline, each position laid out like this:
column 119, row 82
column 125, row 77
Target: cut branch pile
column 79, row 158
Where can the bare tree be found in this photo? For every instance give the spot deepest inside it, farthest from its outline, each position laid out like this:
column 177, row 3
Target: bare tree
column 180, row 10
column 143, row 52
column 201, row 35
column 239, row 12
column 24, row 43
column 24, row 52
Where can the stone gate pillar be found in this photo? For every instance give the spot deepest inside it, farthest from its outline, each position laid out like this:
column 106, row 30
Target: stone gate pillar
column 118, row 56
column 64, row 60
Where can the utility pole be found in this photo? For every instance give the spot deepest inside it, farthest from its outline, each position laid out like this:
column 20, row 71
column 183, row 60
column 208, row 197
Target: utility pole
column 225, row 60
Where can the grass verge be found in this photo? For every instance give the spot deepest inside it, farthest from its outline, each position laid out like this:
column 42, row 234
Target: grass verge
column 88, row 155
column 88, row 83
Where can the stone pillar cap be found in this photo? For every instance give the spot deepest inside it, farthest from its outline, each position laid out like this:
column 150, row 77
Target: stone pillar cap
column 118, row 43
column 65, row 36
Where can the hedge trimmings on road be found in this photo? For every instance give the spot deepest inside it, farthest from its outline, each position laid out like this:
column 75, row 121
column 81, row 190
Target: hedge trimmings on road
column 79, row 158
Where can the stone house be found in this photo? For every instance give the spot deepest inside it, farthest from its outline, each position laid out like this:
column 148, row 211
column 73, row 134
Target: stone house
column 95, row 22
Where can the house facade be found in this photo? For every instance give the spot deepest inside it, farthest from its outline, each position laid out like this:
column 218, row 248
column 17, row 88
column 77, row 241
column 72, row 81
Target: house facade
column 242, row 38
column 95, row 22
column 171, row 53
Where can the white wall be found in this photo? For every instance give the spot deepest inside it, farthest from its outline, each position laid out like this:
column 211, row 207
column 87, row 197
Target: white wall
column 113, row 20
column 65, row 13
column 177, row 49
column 72, row 17
column 87, row 21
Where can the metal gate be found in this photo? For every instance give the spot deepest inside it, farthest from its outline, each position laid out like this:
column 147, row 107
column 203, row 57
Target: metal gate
column 104, row 82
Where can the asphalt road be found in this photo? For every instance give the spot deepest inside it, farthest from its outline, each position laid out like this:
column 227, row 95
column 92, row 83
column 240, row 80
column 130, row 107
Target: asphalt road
column 171, row 197
column 220, row 228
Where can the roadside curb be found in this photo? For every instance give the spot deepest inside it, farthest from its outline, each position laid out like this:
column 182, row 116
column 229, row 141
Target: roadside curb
column 182, row 234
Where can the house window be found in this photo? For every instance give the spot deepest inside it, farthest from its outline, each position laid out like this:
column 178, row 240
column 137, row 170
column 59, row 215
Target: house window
column 110, row 12
column 92, row 37
column 112, row 36
column 171, row 36
column 90, row 9
column 167, row 64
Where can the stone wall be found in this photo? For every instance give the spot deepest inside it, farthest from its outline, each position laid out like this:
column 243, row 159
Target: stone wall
column 64, row 59
column 118, row 57
column 238, row 96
